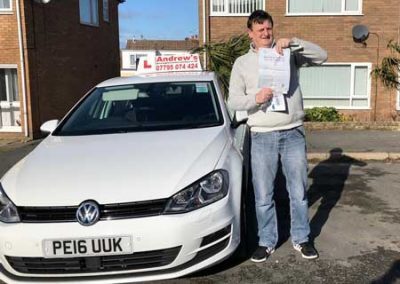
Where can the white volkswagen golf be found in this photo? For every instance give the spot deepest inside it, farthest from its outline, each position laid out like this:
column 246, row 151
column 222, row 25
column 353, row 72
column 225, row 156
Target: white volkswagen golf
column 142, row 180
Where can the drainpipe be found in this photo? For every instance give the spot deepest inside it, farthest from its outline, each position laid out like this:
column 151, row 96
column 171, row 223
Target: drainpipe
column 204, row 33
column 22, row 63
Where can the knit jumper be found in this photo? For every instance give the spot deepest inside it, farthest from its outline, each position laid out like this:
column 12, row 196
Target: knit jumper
column 243, row 88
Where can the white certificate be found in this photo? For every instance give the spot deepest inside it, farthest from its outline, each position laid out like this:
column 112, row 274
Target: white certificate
column 274, row 73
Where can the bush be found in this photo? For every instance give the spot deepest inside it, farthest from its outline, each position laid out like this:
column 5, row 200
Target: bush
column 322, row 114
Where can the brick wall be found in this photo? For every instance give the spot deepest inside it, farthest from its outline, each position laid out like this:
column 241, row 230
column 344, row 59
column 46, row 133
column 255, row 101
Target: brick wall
column 9, row 49
column 9, row 52
column 67, row 58
column 334, row 34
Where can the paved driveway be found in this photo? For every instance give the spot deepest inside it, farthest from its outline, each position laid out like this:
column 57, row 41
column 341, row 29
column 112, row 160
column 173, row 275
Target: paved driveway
column 355, row 221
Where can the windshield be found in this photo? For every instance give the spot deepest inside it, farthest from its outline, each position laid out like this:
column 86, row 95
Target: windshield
column 144, row 107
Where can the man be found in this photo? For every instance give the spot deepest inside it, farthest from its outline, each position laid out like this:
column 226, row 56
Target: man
column 275, row 134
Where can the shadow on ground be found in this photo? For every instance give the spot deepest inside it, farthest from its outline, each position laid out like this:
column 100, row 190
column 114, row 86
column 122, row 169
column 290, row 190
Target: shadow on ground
column 328, row 182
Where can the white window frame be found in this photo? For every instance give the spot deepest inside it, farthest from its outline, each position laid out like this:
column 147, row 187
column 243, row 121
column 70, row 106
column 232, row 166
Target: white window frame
column 226, row 13
column 106, row 11
column 8, row 10
column 398, row 97
column 92, row 22
column 6, row 103
column 342, row 13
column 353, row 66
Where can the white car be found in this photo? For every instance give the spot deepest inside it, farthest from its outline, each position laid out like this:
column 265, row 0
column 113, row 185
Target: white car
column 142, row 180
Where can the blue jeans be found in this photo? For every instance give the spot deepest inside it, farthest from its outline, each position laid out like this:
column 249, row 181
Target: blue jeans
column 266, row 149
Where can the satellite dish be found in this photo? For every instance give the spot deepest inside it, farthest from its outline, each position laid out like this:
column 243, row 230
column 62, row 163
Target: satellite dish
column 360, row 33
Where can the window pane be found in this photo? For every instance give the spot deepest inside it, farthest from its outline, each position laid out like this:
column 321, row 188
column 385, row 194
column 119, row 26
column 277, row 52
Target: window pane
column 308, row 103
column 244, row 6
column 3, row 89
column 327, row 81
column 95, row 12
column 84, row 11
column 218, row 6
column 13, row 86
column 351, row 5
column 332, row 6
column 315, row 6
column 360, row 103
column 106, row 15
column 360, row 81
column 296, row 7
column 5, row 4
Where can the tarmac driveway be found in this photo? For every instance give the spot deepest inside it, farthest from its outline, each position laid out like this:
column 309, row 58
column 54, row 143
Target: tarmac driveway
column 355, row 222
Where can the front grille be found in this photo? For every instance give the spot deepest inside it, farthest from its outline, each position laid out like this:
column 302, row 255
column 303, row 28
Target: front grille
column 107, row 211
column 138, row 260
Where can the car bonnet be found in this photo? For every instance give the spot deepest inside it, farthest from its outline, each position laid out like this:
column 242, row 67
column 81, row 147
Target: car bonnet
column 114, row 168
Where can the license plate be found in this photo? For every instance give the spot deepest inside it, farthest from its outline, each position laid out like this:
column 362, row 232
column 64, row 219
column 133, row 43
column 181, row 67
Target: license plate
column 87, row 246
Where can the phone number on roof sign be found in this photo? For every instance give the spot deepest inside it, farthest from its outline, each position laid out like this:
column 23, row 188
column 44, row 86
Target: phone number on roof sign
column 177, row 67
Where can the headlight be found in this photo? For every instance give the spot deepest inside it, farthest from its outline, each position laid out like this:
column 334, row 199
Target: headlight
column 205, row 191
column 8, row 211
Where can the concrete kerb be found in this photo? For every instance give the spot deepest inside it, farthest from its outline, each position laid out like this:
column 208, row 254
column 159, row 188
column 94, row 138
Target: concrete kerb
column 363, row 156
column 311, row 156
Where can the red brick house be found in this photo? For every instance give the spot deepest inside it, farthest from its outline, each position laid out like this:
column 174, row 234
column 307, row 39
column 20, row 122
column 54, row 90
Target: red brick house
column 51, row 53
column 344, row 82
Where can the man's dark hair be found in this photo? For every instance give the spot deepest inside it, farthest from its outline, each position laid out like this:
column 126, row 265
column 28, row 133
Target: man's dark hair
column 259, row 17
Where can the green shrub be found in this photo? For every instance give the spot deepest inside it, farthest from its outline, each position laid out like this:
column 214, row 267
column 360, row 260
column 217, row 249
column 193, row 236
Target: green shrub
column 322, row 114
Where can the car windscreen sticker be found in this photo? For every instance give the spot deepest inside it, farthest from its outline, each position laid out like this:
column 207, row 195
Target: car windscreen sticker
column 201, row 88
column 121, row 95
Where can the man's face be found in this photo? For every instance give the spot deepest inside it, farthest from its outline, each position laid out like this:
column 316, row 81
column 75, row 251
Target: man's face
column 262, row 35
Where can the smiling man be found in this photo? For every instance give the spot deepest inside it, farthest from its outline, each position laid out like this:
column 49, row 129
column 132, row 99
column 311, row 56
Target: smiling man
column 275, row 135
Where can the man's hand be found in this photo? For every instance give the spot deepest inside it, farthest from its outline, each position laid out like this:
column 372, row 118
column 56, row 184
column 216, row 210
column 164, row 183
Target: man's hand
column 264, row 95
column 282, row 43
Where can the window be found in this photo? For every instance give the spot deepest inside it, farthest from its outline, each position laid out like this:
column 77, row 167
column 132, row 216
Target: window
column 106, row 11
column 5, row 6
column 235, row 7
column 145, row 107
column 8, row 85
column 324, row 7
column 134, row 60
column 339, row 85
column 9, row 99
column 88, row 10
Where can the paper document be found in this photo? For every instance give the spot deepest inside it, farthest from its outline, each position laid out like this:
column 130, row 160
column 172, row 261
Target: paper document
column 274, row 73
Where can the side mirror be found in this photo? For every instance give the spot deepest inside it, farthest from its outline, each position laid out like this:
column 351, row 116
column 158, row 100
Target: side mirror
column 239, row 118
column 49, row 126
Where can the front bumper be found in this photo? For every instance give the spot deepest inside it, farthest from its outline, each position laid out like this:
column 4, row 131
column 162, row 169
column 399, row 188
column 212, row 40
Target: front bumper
column 200, row 238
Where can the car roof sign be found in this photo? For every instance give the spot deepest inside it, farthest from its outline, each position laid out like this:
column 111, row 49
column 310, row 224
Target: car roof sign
column 170, row 63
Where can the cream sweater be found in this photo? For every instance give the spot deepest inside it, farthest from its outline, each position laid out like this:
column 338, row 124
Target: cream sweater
column 243, row 87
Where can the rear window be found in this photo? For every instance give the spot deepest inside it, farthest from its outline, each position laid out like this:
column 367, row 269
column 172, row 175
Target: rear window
column 144, row 107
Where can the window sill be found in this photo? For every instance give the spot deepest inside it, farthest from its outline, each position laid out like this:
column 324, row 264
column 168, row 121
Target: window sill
column 344, row 108
column 5, row 12
column 230, row 15
column 322, row 14
column 90, row 25
column 11, row 129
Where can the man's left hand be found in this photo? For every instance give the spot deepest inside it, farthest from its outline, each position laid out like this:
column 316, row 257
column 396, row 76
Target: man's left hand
column 282, row 43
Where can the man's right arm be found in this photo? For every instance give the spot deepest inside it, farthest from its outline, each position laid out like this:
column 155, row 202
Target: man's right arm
column 238, row 98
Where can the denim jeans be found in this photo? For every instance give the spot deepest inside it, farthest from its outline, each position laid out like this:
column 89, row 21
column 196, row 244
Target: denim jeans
column 266, row 149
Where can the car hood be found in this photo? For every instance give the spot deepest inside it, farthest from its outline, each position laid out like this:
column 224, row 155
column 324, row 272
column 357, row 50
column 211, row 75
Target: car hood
column 64, row 171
